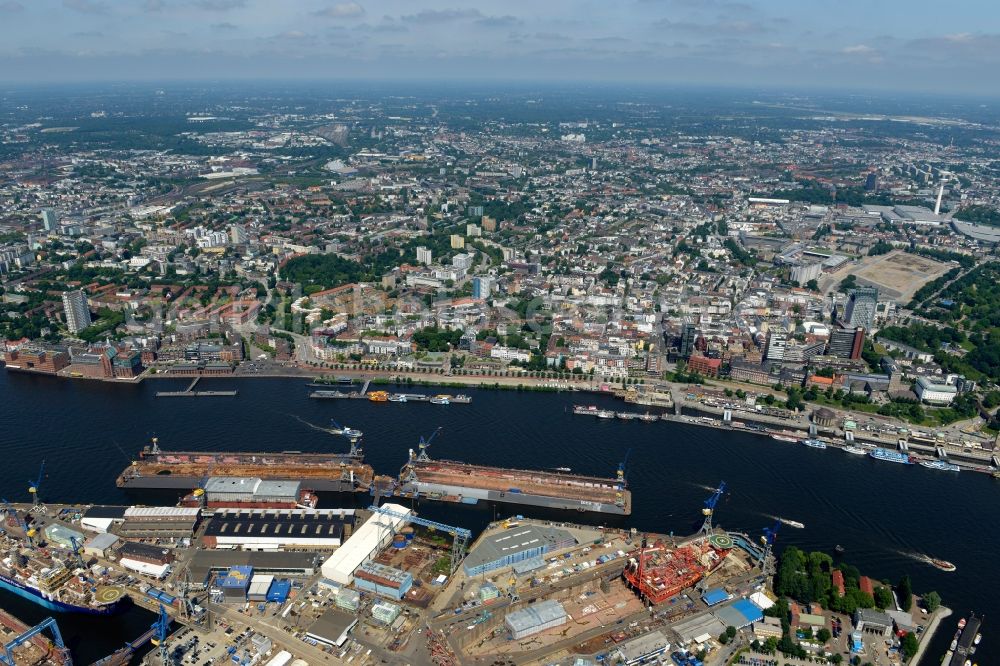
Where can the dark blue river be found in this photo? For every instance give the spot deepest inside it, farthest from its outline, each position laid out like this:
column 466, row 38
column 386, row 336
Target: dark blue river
column 883, row 514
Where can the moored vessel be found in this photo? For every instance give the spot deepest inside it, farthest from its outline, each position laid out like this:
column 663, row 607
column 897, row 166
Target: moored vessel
column 814, row 443
column 855, row 450
column 940, row 465
column 888, row 455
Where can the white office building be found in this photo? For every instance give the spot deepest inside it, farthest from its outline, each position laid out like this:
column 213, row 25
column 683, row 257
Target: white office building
column 76, row 310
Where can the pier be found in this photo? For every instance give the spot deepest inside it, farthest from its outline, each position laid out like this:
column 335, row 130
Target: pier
column 383, row 396
column 189, row 392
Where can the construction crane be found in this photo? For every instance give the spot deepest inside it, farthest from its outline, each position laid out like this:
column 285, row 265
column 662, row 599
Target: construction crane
column 76, row 552
column 460, row 535
column 29, row 533
column 424, row 444
column 161, row 628
column 352, row 434
column 770, row 535
column 710, row 504
column 7, row 656
column 35, row 486
column 620, row 481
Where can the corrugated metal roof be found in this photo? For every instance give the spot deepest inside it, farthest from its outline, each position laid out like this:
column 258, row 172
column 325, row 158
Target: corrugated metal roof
column 161, row 512
column 535, row 615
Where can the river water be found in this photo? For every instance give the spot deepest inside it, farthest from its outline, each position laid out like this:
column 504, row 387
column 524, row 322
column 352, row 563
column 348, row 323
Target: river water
column 884, row 515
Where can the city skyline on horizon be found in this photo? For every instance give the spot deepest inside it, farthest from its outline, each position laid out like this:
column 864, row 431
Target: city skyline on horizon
column 712, row 43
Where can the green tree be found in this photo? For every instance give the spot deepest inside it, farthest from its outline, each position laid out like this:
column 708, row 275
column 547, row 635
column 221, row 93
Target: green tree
column 731, row 631
column 905, row 592
column 883, row 598
column 823, row 635
column 932, row 600
column 909, row 646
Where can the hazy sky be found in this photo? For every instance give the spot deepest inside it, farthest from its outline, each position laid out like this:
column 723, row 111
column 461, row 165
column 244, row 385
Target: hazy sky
column 894, row 44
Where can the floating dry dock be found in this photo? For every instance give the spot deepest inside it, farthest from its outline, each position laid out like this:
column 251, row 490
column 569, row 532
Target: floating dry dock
column 338, row 472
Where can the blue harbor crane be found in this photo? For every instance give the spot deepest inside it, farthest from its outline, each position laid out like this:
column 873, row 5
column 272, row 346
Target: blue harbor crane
column 35, row 486
column 29, row 533
column 160, row 629
column 7, row 656
column 352, row 434
column 770, row 535
column 424, row 444
column 621, row 479
column 710, row 505
column 460, row 535
column 77, row 547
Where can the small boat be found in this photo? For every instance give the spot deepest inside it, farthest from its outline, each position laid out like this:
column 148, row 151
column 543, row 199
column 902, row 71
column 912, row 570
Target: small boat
column 814, row 443
column 854, row 450
column 978, row 638
column 839, row 549
column 461, row 399
column 943, row 565
column 604, row 414
column 345, row 431
column 562, row 469
column 649, row 418
column 940, row 465
column 961, row 623
column 792, row 523
column 954, row 644
column 397, row 397
column 441, row 400
column 785, row 438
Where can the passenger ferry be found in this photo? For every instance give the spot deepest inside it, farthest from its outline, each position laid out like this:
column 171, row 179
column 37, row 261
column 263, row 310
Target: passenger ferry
column 889, row 455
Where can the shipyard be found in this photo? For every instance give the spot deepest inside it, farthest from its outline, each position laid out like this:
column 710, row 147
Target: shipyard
column 257, row 585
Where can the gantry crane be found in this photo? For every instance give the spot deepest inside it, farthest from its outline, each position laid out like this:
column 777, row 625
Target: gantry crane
column 7, row 656
column 460, row 535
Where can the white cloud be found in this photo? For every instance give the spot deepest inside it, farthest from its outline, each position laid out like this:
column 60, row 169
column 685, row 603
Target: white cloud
column 342, row 10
